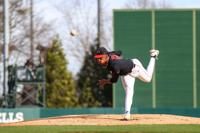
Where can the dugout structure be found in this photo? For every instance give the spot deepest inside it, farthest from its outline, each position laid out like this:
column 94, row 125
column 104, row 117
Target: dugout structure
column 176, row 33
column 26, row 87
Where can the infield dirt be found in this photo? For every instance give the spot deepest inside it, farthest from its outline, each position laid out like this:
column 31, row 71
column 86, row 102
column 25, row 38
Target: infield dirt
column 109, row 120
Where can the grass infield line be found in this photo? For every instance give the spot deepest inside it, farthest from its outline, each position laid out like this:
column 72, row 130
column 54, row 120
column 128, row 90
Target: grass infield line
column 83, row 129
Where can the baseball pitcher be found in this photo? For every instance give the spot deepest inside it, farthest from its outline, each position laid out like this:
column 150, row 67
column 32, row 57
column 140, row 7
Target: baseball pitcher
column 128, row 70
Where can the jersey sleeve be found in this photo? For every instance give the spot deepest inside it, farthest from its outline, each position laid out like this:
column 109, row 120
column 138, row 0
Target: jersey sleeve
column 115, row 74
column 114, row 78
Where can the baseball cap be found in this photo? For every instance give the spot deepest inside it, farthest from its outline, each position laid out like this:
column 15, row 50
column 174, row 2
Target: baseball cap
column 100, row 52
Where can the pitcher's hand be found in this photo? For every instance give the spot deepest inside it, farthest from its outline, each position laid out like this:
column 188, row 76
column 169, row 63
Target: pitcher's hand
column 103, row 82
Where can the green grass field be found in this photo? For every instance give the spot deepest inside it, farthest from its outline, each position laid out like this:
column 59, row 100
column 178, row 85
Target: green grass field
column 99, row 129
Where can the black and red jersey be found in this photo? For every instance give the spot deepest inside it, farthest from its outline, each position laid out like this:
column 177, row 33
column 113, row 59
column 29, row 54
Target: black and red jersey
column 119, row 67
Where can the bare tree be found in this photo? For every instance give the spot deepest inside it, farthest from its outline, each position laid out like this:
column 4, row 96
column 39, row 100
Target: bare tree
column 144, row 4
column 19, row 46
column 77, row 15
column 81, row 15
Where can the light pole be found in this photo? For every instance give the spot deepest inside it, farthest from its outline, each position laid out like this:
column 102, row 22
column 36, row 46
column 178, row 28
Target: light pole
column 31, row 30
column 98, row 23
column 6, row 40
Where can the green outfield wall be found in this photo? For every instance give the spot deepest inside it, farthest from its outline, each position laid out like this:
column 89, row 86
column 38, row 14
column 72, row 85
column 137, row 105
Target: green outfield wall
column 176, row 33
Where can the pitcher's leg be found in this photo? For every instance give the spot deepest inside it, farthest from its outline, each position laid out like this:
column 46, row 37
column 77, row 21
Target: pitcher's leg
column 142, row 73
column 146, row 75
column 151, row 66
column 128, row 84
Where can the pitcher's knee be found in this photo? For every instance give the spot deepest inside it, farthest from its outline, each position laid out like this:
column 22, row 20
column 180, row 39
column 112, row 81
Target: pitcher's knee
column 146, row 79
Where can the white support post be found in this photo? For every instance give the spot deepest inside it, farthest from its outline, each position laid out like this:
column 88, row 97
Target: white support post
column 6, row 40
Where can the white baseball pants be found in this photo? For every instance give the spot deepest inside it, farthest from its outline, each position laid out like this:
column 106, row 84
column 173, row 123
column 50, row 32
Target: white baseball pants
column 128, row 80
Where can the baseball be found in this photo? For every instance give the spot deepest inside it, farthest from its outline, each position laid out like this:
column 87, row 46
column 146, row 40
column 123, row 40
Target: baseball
column 73, row 32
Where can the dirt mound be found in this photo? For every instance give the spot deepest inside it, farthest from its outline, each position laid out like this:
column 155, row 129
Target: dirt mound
column 109, row 120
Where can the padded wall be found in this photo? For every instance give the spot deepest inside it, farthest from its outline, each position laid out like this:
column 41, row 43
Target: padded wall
column 172, row 32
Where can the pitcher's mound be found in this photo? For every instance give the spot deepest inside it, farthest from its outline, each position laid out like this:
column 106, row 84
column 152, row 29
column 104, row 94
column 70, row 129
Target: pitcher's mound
column 110, row 120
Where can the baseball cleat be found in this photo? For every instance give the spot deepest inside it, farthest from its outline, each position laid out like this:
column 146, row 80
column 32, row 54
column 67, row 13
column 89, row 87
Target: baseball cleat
column 154, row 53
column 127, row 117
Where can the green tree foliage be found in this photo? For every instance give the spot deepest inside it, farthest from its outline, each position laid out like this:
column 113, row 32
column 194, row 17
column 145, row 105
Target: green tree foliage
column 60, row 87
column 90, row 93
